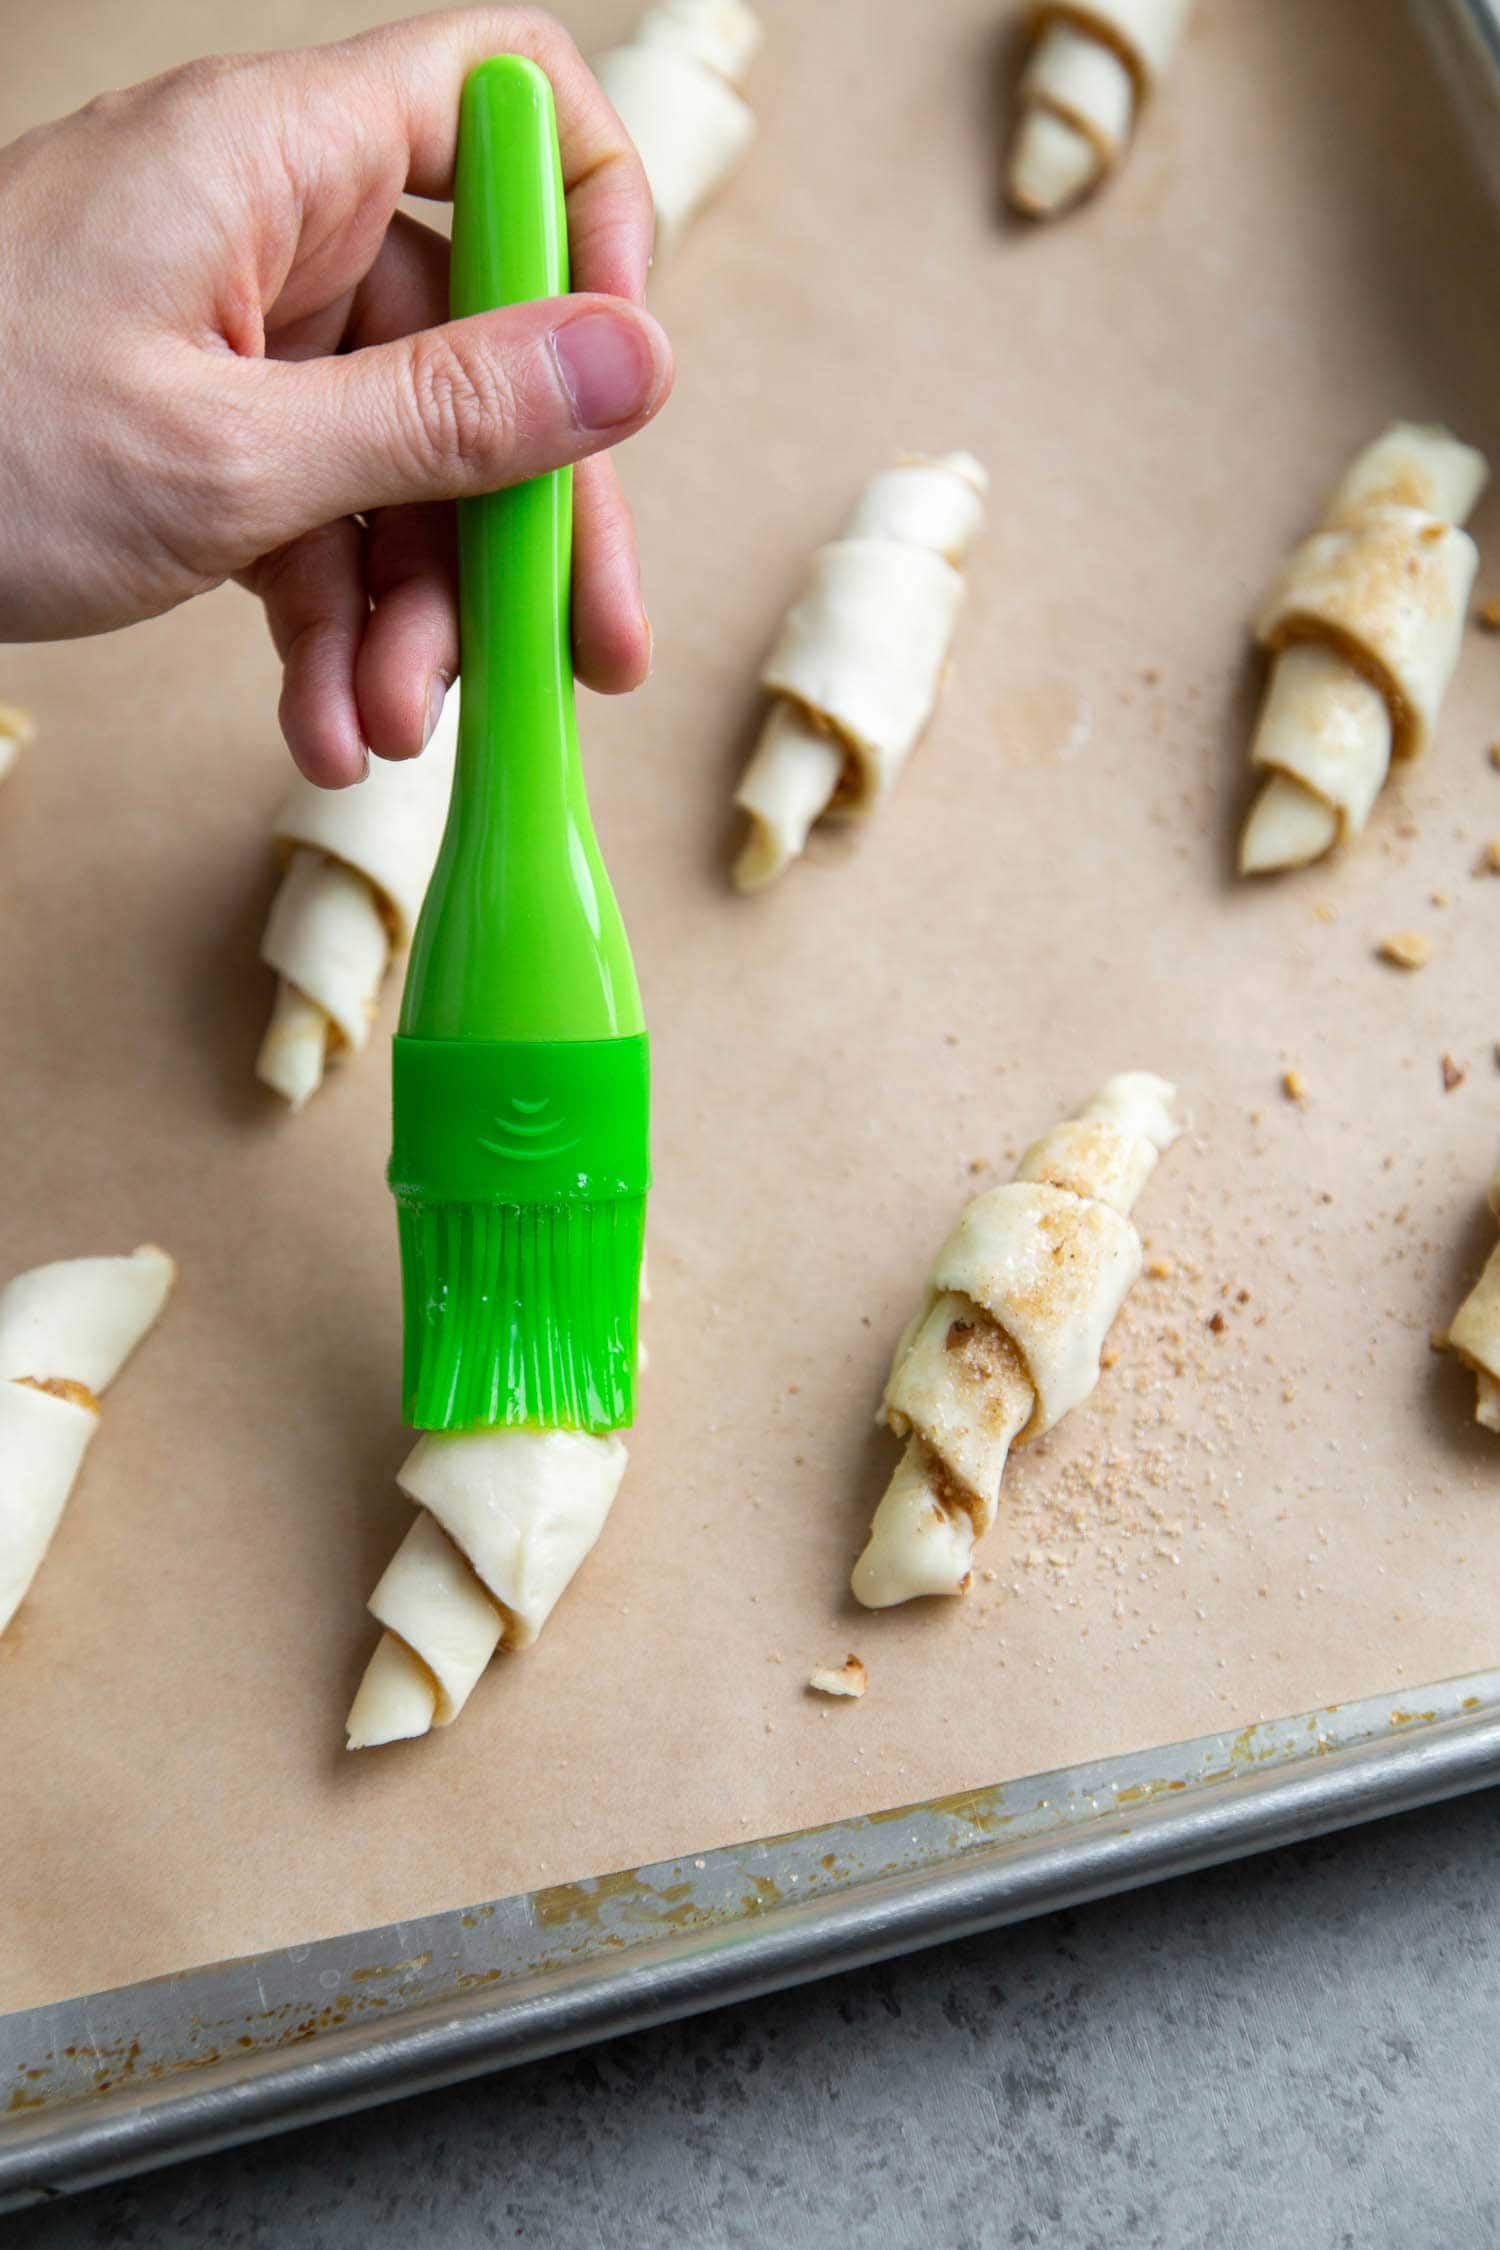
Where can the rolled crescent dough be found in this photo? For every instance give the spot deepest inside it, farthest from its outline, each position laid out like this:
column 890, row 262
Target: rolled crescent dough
column 66, row 1330
column 1363, row 626
column 855, row 670
column 17, row 728
column 675, row 84
column 507, row 1517
column 1088, row 72
column 357, row 865
column 1007, row 1340
column 1475, row 1333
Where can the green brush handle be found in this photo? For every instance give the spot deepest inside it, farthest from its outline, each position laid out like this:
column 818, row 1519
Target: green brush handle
column 520, row 937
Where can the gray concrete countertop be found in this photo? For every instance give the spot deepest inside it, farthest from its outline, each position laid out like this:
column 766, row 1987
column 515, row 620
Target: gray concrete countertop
column 1300, row 2049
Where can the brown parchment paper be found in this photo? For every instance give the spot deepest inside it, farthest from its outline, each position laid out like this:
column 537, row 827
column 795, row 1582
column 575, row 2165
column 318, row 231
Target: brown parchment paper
column 1248, row 1519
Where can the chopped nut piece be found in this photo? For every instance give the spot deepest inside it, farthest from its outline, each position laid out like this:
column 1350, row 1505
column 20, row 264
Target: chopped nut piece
column 848, row 1678
column 1488, row 615
column 1216, row 1323
column 1160, row 1269
column 1454, row 1074
column 1406, row 949
column 1294, row 1085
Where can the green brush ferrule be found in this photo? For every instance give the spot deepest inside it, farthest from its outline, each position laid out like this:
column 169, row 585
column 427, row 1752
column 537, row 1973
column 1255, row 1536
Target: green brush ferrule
column 520, row 1121
column 520, row 1170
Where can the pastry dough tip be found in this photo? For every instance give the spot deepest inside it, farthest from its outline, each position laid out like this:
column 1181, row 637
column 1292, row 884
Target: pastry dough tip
column 916, row 1546
column 1052, row 165
column 295, row 1047
column 762, row 858
column 17, row 728
column 395, row 1701
column 1287, row 827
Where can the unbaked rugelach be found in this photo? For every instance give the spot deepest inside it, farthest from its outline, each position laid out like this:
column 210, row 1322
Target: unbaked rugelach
column 676, row 86
column 1008, row 1336
column 357, row 865
column 1363, row 627
column 855, row 670
column 66, row 1330
column 1475, row 1330
column 1088, row 74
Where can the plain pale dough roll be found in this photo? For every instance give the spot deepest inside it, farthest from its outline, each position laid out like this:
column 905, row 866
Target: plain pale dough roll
column 17, row 728
column 358, row 862
column 1475, row 1332
column 1007, row 1341
column 1364, row 627
column 855, row 670
column 675, row 85
column 507, row 1518
column 1088, row 71
column 66, row 1330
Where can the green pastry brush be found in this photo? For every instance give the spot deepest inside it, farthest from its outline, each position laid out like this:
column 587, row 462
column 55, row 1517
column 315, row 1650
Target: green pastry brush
column 521, row 1073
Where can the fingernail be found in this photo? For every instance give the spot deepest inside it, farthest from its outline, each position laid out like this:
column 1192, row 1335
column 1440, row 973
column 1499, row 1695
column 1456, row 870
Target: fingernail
column 437, row 689
column 607, row 366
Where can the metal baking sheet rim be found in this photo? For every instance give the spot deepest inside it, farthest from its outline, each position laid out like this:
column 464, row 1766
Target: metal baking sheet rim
column 627, row 1951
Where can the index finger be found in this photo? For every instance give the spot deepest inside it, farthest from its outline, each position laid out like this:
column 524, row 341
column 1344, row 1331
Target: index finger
column 420, row 67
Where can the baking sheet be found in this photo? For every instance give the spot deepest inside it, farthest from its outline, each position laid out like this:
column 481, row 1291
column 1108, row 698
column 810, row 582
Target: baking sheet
column 1245, row 1522
column 117, row 2081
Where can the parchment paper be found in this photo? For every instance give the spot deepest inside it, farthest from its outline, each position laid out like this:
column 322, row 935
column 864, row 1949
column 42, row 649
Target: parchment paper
column 1291, row 1509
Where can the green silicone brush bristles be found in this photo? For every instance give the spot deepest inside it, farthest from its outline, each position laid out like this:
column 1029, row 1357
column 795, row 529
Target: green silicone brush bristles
column 520, row 1170
column 521, row 1314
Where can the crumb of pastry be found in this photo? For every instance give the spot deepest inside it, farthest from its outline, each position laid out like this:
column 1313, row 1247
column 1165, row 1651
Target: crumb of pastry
column 1488, row 615
column 63, row 1387
column 1109, row 1359
column 980, row 1164
column 1324, row 911
column 1216, row 1323
column 1454, row 1074
column 1488, row 862
column 1440, row 898
column 848, row 1678
column 1406, row 949
column 1294, row 1085
column 1160, row 1269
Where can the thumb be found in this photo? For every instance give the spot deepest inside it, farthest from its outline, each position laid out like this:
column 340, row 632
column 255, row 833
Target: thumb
column 450, row 412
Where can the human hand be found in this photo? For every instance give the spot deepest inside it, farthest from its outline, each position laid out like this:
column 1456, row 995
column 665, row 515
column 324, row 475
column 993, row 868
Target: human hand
column 227, row 355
